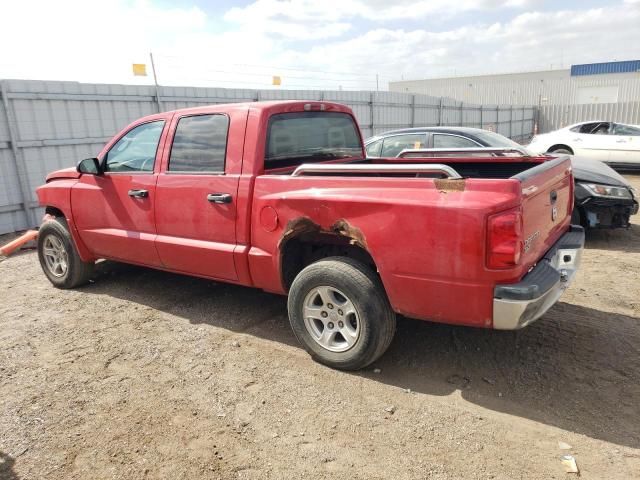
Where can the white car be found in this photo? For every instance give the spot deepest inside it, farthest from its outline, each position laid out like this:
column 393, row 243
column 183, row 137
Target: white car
column 614, row 143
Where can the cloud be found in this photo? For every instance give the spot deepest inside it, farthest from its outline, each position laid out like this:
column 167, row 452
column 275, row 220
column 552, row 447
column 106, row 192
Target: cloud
column 310, row 44
column 529, row 41
column 376, row 10
column 81, row 40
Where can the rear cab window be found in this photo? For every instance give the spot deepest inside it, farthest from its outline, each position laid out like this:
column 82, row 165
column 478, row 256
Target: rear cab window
column 310, row 137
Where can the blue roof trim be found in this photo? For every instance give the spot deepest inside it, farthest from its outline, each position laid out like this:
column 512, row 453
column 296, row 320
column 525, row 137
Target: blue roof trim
column 607, row 67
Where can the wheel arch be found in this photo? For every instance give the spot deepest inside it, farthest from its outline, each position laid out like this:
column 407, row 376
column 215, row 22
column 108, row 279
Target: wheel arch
column 307, row 243
column 558, row 146
column 83, row 252
column 54, row 211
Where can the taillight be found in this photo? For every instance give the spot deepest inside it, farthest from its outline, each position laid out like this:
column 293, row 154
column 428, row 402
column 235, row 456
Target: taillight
column 504, row 239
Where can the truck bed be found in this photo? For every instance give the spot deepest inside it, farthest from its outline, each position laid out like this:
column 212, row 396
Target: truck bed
column 427, row 236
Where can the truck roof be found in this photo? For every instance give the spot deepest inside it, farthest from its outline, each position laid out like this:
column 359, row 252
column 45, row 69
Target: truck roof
column 262, row 106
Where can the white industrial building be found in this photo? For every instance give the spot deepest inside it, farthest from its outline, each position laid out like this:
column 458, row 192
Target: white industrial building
column 595, row 83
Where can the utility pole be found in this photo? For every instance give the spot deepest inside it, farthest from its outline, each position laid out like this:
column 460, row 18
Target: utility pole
column 155, row 81
column 377, row 85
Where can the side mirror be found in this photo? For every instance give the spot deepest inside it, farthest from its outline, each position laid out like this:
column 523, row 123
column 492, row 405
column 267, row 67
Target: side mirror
column 90, row 166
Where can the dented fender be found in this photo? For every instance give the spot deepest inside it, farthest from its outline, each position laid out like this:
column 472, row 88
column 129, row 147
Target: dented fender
column 341, row 228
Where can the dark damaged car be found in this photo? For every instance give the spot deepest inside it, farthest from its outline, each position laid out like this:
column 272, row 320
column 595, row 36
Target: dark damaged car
column 603, row 198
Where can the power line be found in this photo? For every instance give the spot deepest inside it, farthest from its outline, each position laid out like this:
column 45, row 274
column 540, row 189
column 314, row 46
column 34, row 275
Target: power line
column 258, row 85
column 297, row 77
column 273, row 67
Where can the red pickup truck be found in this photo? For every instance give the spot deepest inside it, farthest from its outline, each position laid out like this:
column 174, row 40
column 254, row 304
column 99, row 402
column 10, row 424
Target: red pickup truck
column 280, row 196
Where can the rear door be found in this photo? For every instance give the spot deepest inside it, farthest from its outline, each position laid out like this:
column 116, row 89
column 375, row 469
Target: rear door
column 197, row 193
column 114, row 212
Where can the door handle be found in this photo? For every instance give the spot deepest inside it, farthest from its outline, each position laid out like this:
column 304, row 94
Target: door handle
column 219, row 197
column 139, row 193
column 621, row 141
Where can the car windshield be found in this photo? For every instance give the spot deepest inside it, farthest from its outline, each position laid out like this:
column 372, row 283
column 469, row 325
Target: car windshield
column 296, row 138
column 496, row 140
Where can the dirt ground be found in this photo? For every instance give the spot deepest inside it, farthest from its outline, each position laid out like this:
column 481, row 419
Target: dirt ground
column 144, row 374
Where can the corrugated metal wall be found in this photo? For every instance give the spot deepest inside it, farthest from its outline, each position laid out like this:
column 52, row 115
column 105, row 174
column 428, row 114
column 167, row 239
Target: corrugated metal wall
column 552, row 87
column 51, row 125
column 553, row 117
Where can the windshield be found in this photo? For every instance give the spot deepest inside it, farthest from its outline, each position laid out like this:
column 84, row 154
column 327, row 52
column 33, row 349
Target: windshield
column 296, row 138
column 496, row 140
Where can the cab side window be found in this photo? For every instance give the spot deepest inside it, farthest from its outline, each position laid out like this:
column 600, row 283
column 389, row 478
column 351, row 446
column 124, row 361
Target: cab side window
column 200, row 144
column 395, row 144
column 136, row 150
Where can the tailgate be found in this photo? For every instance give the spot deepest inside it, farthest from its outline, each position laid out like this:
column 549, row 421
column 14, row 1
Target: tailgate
column 547, row 201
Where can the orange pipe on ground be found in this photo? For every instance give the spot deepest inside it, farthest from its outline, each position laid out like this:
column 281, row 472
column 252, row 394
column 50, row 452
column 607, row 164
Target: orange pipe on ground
column 13, row 245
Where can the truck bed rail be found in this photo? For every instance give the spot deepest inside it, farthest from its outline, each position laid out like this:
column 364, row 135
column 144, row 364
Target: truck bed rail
column 437, row 168
column 417, row 152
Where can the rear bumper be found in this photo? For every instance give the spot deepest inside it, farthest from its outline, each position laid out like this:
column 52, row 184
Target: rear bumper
column 517, row 305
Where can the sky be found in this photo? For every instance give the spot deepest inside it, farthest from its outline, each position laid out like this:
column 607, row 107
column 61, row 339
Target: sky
column 330, row 44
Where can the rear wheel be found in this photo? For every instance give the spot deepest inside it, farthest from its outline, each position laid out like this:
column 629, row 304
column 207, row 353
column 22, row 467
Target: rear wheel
column 339, row 311
column 59, row 258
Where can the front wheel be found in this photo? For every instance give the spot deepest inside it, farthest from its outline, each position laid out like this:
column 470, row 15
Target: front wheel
column 59, row 258
column 339, row 311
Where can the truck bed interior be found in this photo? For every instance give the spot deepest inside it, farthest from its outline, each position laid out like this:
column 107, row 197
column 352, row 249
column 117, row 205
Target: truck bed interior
column 489, row 168
column 484, row 168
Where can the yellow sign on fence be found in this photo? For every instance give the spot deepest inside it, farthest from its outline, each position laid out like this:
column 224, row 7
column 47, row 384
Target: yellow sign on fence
column 276, row 80
column 139, row 69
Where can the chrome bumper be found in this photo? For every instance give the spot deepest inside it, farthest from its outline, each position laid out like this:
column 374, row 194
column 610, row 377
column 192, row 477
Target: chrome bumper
column 517, row 305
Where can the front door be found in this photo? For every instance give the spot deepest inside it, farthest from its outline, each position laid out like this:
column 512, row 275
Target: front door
column 594, row 140
column 114, row 212
column 197, row 194
column 626, row 147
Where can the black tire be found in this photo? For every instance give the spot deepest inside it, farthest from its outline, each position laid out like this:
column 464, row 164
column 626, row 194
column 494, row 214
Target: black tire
column 562, row 151
column 360, row 286
column 56, row 233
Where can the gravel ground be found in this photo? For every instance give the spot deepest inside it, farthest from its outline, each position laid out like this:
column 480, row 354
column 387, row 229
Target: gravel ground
column 145, row 374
